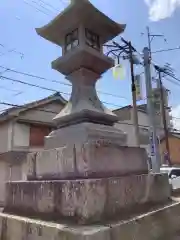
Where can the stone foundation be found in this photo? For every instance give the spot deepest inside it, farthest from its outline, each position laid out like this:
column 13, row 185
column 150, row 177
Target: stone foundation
column 86, row 151
column 87, row 200
column 162, row 223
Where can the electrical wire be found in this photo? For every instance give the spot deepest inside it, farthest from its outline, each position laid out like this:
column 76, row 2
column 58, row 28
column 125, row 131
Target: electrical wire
column 49, row 5
column 58, row 82
column 43, row 5
column 36, row 8
column 166, row 50
column 9, row 89
column 35, row 76
column 48, row 111
column 45, row 88
column 29, row 84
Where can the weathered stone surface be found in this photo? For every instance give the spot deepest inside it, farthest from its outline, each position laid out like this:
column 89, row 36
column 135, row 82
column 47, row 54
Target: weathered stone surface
column 159, row 224
column 18, row 228
column 86, row 200
column 86, row 150
column 85, row 133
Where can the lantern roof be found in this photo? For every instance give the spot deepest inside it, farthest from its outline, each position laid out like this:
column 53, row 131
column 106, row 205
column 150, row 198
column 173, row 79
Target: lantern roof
column 80, row 12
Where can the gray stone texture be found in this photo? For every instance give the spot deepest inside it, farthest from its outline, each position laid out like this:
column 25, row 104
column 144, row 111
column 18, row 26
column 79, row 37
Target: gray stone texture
column 159, row 224
column 89, row 160
column 85, row 133
column 86, row 150
column 84, row 104
column 87, row 200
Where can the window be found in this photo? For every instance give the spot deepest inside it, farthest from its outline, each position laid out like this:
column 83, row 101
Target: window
column 71, row 40
column 92, row 39
column 37, row 134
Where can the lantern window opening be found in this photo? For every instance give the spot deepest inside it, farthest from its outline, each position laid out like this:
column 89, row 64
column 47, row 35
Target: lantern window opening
column 92, row 39
column 71, row 40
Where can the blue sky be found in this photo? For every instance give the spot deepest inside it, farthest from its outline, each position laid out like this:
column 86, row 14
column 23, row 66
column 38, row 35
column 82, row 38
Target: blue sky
column 17, row 25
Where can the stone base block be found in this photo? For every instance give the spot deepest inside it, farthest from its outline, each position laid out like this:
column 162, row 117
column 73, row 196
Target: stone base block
column 83, row 133
column 87, row 200
column 86, row 151
column 162, row 223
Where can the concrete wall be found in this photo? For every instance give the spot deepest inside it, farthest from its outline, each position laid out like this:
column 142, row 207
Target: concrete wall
column 15, row 172
column 10, row 172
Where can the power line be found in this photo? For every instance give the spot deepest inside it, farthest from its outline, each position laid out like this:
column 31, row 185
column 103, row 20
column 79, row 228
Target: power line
column 172, row 81
column 45, row 88
column 55, row 81
column 36, row 8
column 166, row 50
column 28, row 84
column 42, row 6
column 35, row 76
column 9, row 89
column 48, row 111
column 48, row 4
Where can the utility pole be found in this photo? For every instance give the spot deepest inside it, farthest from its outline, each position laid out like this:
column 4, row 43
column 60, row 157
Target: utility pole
column 155, row 156
column 128, row 49
column 133, row 90
column 163, row 110
column 149, row 42
column 150, row 39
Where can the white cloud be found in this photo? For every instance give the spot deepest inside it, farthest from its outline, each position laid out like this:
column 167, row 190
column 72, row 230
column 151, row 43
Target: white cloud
column 176, row 117
column 161, row 9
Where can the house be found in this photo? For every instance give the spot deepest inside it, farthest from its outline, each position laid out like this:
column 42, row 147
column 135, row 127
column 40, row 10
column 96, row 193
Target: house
column 126, row 124
column 174, row 145
column 22, row 130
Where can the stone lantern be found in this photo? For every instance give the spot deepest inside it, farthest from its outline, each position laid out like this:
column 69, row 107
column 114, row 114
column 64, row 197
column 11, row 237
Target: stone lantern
column 81, row 30
column 86, row 137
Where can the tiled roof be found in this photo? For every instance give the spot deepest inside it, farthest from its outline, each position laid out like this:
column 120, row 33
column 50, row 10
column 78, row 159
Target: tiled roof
column 9, row 112
column 141, row 108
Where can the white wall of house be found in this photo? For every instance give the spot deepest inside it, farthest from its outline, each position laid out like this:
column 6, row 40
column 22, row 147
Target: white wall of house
column 42, row 114
column 3, row 179
column 21, row 135
column 127, row 126
column 14, row 135
column 6, row 136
